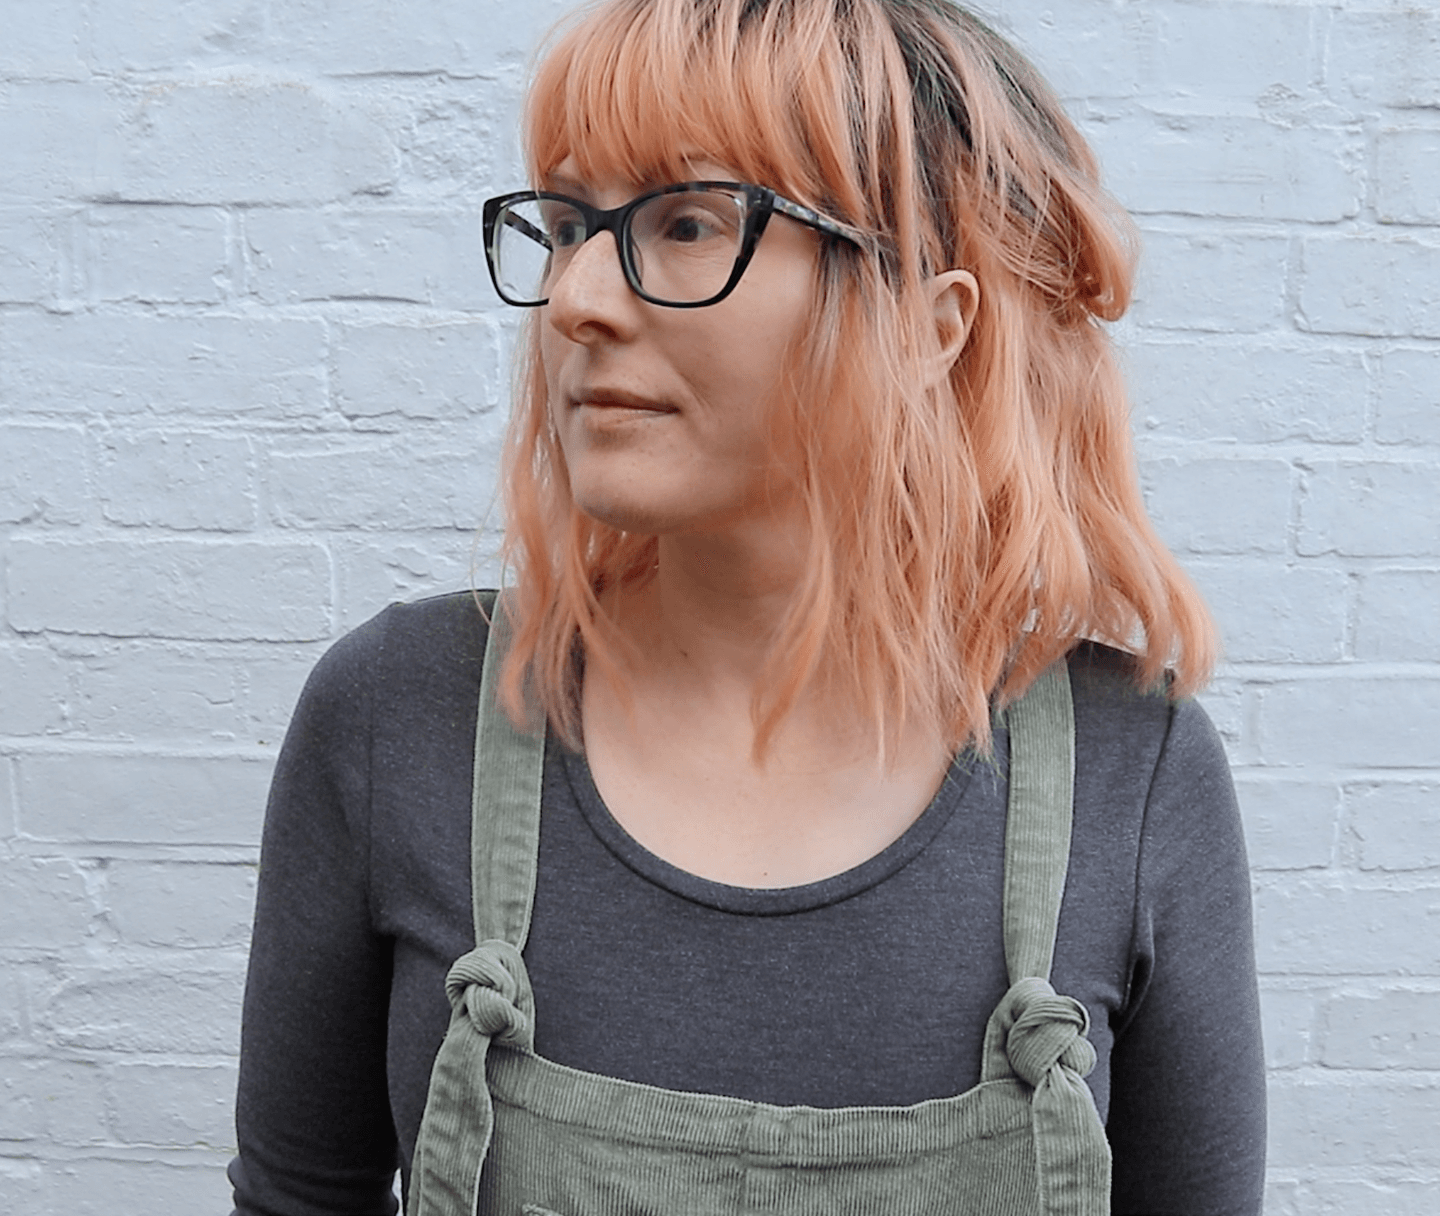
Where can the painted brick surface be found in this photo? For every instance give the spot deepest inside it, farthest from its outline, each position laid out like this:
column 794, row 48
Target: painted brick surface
column 1408, row 399
column 1259, row 391
column 253, row 382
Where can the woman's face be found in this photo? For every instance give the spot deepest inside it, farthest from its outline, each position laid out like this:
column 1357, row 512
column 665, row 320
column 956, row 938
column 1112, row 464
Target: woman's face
column 662, row 413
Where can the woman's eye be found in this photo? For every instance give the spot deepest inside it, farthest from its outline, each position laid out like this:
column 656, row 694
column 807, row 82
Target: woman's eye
column 567, row 233
column 688, row 229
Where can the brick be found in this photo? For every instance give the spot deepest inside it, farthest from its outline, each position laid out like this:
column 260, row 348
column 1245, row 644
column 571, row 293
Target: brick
column 1348, row 1121
column 1287, row 1020
column 138, row 1009
column 345, row 38
column 1326, row 927
column 1399, row 615
column 374, row 573
column 1408, row 396
column 14, row 1012
column 322, row 36
column 58, row 1101
column 1378, row 286
column 35, row 693
column 29, row 256
column 216, row 366
column 1407, row 176
column 177, row 588
column 461, row 144
column 7, row 827
column 434, row 258
column 43, row 38
column 158, row 255
column 1225, row 282
column 1282, row 1197
column 1370, row 509
column 1395, row 1029
column 140, row 690
column 142, row 799
column 1237, row 167
column 181, row 480
column 240, row 140
column 1236, row 505
column 1070, row 48
column 1363, row 1196
column 42, row 475
column 1391, row 56
column 1225, row 700
column 174, row 1104
column 272, row 683
column 1249, row 392
column 98, row 1186
column 133, row 37
column 168, row 904
column 1359, row 721
column 21, row 1187
column 1200, row 50
column 55, row 136
column 428, row 487
column 418, row 371
column 1396, row 825
column 43, row 902
column 1269, row 613
column 1289, row 825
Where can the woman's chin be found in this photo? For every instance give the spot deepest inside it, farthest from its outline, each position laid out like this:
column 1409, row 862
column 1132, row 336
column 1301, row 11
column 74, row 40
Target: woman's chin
column 639, row 515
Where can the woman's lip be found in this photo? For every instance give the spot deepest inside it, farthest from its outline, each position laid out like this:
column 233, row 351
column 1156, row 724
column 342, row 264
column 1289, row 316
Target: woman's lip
column 610, row 399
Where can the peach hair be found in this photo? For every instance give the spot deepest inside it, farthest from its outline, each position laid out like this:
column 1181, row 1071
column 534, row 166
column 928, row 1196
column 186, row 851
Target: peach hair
column 963, row 535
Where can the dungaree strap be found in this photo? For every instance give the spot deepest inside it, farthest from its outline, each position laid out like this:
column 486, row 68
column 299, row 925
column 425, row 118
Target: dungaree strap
column 505, row 803
column 488, row 988
column 1037, row 829
column 1036, row 1034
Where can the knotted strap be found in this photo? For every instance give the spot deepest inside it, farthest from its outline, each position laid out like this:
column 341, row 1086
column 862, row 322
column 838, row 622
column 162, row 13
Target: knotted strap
column 490, row 1002
column 1035, row 1034
column 1042, row 1035
column 1048, row 1033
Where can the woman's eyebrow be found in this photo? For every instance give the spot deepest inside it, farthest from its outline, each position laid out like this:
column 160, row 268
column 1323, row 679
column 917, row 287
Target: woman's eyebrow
column 565, row 185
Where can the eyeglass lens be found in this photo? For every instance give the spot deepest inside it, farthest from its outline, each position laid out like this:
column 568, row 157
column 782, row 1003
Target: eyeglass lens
column 683, row 245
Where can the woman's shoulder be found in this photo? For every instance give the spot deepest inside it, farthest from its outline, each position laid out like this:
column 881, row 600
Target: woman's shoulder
column 1108, row 682
column 1130, row 735
column 405, row 646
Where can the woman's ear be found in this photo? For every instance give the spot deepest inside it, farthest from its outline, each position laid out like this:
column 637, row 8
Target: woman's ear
column 955, row 297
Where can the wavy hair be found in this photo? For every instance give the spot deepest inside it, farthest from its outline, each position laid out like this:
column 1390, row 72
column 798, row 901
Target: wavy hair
column 962, row 534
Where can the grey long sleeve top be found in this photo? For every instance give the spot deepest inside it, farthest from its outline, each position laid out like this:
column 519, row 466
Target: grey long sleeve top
column 871, row 987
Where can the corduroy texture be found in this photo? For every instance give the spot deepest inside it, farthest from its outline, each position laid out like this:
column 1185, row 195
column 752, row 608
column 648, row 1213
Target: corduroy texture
column 489, row 991
column 1027, row 1141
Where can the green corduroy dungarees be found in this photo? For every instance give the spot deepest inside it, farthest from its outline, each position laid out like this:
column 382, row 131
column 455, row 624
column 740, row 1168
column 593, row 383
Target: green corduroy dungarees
column 556, row 1141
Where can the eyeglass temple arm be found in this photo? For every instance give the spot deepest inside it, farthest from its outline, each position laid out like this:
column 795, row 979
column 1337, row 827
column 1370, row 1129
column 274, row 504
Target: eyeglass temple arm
column 521, row 224
column 815, row 220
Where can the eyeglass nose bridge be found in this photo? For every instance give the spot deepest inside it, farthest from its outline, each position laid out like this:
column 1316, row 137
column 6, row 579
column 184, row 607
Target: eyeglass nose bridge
column 629, row 275
column 615, row 221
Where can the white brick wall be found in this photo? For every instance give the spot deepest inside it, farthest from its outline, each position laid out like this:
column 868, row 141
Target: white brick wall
column 252, row 383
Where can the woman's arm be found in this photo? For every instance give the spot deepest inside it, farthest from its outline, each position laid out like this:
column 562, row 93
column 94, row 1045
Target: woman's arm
column 1187, row 1110
column 312, row 1112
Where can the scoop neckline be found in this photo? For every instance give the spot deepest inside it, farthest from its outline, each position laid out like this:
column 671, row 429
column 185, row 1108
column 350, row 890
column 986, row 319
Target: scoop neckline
column 767, row 901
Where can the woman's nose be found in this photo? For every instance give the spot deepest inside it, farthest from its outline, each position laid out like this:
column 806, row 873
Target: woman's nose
column 590, row 296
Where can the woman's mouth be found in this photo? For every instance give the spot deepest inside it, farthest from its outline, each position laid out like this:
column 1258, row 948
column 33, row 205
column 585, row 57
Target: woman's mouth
column 619, row 402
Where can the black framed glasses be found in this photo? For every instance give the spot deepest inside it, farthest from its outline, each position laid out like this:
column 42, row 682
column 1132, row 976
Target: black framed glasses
column 682, row 246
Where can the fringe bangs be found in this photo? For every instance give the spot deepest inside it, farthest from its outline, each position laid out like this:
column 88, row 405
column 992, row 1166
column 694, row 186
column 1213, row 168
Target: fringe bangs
column 963, row 534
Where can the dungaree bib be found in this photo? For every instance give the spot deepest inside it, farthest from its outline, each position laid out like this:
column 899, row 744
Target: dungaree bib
column 556, row 1141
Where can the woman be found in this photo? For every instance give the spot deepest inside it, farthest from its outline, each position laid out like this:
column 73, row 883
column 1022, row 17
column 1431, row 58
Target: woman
column 829, row 558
